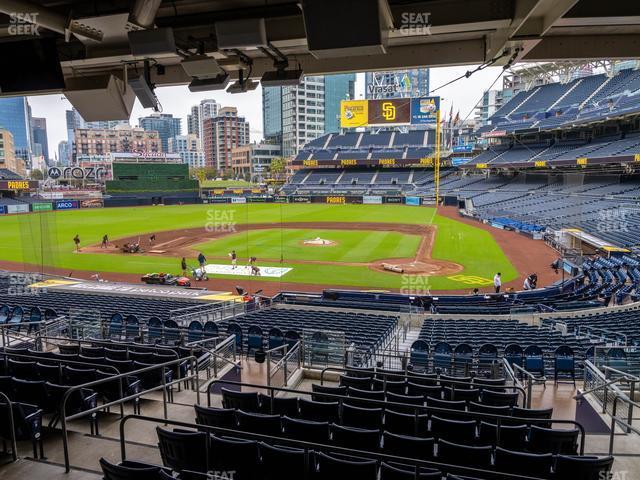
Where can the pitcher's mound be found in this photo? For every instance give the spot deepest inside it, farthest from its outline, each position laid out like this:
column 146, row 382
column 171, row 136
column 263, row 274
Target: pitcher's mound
column 319, row 242
column 427, row 267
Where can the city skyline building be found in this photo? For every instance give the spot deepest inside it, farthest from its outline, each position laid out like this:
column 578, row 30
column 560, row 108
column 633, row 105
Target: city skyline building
column 165, row 124
column 221, row 135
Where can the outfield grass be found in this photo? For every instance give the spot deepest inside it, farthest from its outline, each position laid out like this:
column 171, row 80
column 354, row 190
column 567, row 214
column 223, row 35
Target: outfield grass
column 351, row 246
column 46, row 238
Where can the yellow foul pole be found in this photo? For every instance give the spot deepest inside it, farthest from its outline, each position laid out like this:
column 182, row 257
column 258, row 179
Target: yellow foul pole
column 436, row 165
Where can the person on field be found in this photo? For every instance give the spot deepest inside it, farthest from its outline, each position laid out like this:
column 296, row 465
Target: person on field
column 202, row 260
column 105, row 241
column 183, row 265
column 497, row 281
column 76, row 240
column 152, row 239
column 527, row 283
column 234, row 259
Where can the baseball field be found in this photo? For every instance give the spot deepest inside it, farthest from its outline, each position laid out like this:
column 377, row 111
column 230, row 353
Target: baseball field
column 323, row 245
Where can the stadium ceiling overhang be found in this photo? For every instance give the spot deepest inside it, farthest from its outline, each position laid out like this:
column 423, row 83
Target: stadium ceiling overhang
column 405, row 33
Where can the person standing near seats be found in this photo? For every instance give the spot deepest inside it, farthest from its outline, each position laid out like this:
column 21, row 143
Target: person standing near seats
column 76, row 240
column 497, row 281
column 527, row 283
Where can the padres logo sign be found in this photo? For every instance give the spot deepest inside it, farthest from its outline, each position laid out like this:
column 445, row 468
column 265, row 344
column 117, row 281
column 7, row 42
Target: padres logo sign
column 339, row 200
column 388, row 111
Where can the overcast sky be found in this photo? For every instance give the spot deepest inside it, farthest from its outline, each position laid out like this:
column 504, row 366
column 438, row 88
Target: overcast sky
column 464, row 94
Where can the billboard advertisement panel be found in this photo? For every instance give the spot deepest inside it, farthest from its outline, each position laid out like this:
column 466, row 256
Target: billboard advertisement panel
column 412, row 201
column 3, row 209
column 66, row 204
column 353, row 113
column 41, row 207
column 17, row 208
column 372, row 199
column 389, row 111
column 238, row 200
column 392, row 111
column 424, row 110
column 92, row 203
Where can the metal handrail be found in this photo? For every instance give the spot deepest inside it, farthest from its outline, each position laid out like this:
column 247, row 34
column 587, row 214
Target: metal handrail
column 606, row 331
column 629, row 377
column 407, row 375
column 106, row 343
column 100, row 366
column 63, row 404
column 14, row 445
column 311, row 446
column 283, row 362
column 7, row 327
column 497, row 419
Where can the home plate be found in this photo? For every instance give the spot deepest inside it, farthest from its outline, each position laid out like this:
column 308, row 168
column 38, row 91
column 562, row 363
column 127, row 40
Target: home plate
column 245, row 270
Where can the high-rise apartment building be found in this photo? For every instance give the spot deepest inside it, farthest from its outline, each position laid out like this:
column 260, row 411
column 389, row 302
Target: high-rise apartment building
column 292, row 116
column 165, row 124
column 15, row 116
column 39, row 136
column 94, row 143
column 221, row 134
column 188, row 147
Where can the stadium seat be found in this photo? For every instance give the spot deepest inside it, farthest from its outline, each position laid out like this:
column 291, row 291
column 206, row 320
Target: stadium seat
column 355, row 438
column 547, row 440
column 582, row 468
column 282, row 463
column 279, row 405
column 216, row 417
column 183, row 450
column 319, row 411
column 535, row 465
column 406, row 423
column 370, row 418
column 318, row 390
column 245, row 401
column 408, row 446
column 406, row 472
column 457, row 431
column 451, row 453
column 306, row 430
column 234, row 454
column 259, row 423
column 564, row 363
column 331, row 467
column 129, row 470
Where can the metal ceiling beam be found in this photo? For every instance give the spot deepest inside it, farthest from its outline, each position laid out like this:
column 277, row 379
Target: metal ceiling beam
column 585, row 47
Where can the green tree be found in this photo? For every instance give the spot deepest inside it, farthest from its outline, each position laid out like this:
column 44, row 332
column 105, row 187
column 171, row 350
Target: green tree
column 36, row 174
column 277, row 168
